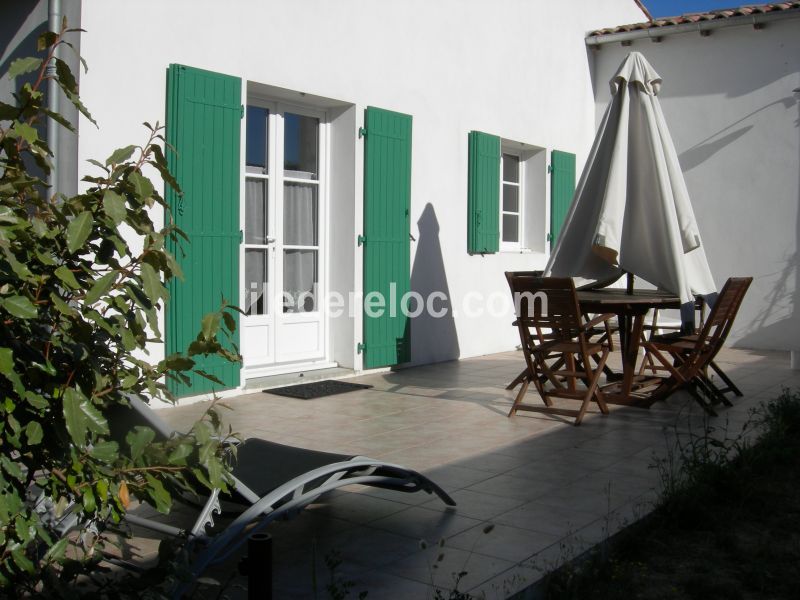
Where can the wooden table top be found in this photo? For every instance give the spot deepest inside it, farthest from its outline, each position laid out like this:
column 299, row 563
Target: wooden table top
column 616, row 297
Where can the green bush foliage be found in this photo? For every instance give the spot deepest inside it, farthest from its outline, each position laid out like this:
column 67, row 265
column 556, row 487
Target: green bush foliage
column 81, row 282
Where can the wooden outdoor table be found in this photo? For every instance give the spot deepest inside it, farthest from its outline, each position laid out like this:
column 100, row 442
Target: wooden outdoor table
column 630, row 309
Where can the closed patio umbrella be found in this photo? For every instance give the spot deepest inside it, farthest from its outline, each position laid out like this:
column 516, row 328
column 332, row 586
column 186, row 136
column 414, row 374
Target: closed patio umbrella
column 631, row 210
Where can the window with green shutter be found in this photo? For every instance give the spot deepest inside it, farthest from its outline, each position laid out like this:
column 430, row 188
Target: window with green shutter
column 562, row 188
column 386, row 239
column 204, row 114
column 483, row 228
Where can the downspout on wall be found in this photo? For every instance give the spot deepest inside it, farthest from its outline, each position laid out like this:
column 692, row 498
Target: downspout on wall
column 54, row 17
column 63, row 178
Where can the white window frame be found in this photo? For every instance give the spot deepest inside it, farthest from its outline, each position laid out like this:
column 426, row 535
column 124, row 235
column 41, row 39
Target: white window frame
column 518, row 245
column 274, row 180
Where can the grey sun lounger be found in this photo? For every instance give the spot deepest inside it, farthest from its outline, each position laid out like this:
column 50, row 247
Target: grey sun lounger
column 269, row 481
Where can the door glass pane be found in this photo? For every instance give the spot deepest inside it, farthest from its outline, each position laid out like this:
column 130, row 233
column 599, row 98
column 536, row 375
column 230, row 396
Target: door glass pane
column 510, row 198
column 256, row 278
column 300, row 214
column 510, row 228
column 256, row 213
column 256, row 153
column 300, row 280
column 300, row 146
column 510, row 168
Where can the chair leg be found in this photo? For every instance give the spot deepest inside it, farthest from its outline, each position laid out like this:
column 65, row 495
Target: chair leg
column 722, row 375
column 593, row 392
column 518, row 400
column 517, row 380
column 692, row 389
column 717, row 395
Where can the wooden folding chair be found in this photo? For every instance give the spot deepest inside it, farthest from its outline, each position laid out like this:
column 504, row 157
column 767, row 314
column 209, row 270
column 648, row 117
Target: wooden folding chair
column 603, row 330
column 656, row 328
column 687, row 357
column 556, row 345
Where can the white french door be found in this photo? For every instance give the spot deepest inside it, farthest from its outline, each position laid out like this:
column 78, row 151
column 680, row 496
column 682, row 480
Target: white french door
column 283, row 236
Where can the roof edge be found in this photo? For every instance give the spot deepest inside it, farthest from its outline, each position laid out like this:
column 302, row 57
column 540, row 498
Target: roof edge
column 690, row 23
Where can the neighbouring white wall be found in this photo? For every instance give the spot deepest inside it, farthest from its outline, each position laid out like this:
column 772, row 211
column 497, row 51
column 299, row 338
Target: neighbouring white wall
column 518, row 69
column 731, row 104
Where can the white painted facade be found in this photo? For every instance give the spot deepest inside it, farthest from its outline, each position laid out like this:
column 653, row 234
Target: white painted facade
column 732, row 102
column 516, row 69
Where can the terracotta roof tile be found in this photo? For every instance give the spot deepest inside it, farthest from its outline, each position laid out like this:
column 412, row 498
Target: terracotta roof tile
column 724, row 13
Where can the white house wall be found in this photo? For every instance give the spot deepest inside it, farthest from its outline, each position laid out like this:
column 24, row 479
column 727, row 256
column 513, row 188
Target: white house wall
column 731, row 101
column 518, row 69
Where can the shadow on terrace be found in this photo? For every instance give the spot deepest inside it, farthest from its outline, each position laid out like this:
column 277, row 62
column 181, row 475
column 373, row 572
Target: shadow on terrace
column 551, row 490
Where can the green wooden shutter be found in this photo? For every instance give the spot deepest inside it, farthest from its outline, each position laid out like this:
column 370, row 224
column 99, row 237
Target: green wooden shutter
column 483, row 203
column 204, row 112
column 562, row 188
column 387, row 252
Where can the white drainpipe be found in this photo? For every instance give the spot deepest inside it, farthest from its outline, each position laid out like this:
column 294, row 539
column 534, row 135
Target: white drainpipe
column 54, row 18
column 756, row 20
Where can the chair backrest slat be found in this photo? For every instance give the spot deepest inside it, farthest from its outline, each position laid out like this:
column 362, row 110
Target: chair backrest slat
column 545, row 302
column 721, row 318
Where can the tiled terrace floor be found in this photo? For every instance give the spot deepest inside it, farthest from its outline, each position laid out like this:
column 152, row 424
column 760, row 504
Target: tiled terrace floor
column 551, row 490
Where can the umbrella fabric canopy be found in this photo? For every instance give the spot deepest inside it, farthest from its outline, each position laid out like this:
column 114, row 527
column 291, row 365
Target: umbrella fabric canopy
column 631, row 210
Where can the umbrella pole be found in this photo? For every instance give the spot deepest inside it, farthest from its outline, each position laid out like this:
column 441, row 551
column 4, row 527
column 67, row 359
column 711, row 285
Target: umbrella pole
column 625, row 321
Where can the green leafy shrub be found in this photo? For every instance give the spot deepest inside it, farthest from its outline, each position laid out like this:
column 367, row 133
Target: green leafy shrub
column 78, row 309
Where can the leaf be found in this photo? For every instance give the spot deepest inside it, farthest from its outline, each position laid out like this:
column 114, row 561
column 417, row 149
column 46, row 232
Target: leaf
column 105, row 451
column 36, row 400
column 151, row 282
column 201, row 477
column 46, row 39
column 81, row 416
column 177, row 362
column 100, row 287
column 209, row 376
column 57, row 550
column 114, row 205
column 19, row 268
column 21, row 66
column 160, row 163
column 141, row 185
column 20, row 307
column 88, row 500
column 78, row 231
column 230, row 321
column 67, row 277
column 129, row 343
column 160, row 496
column 65, row 76
column 75, row 421
column 34, row 432
column 25, row 131
column 210, row 325
column 61, row 306
column 124, row 496
column 22, row 561
column 120, row 155
column 138, row 439
column 12, row 468
column 6, row 360
column 181, row 452
column 216, row 473
column 97, row 163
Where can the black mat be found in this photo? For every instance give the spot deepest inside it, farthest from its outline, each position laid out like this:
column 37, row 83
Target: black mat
column 317, row 389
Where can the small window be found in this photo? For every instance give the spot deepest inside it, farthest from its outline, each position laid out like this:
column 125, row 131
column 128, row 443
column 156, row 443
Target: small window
column 510, row 204
column 506, row 195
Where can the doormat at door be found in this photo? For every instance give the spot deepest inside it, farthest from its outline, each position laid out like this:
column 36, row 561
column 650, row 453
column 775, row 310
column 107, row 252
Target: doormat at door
column 317, row 389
